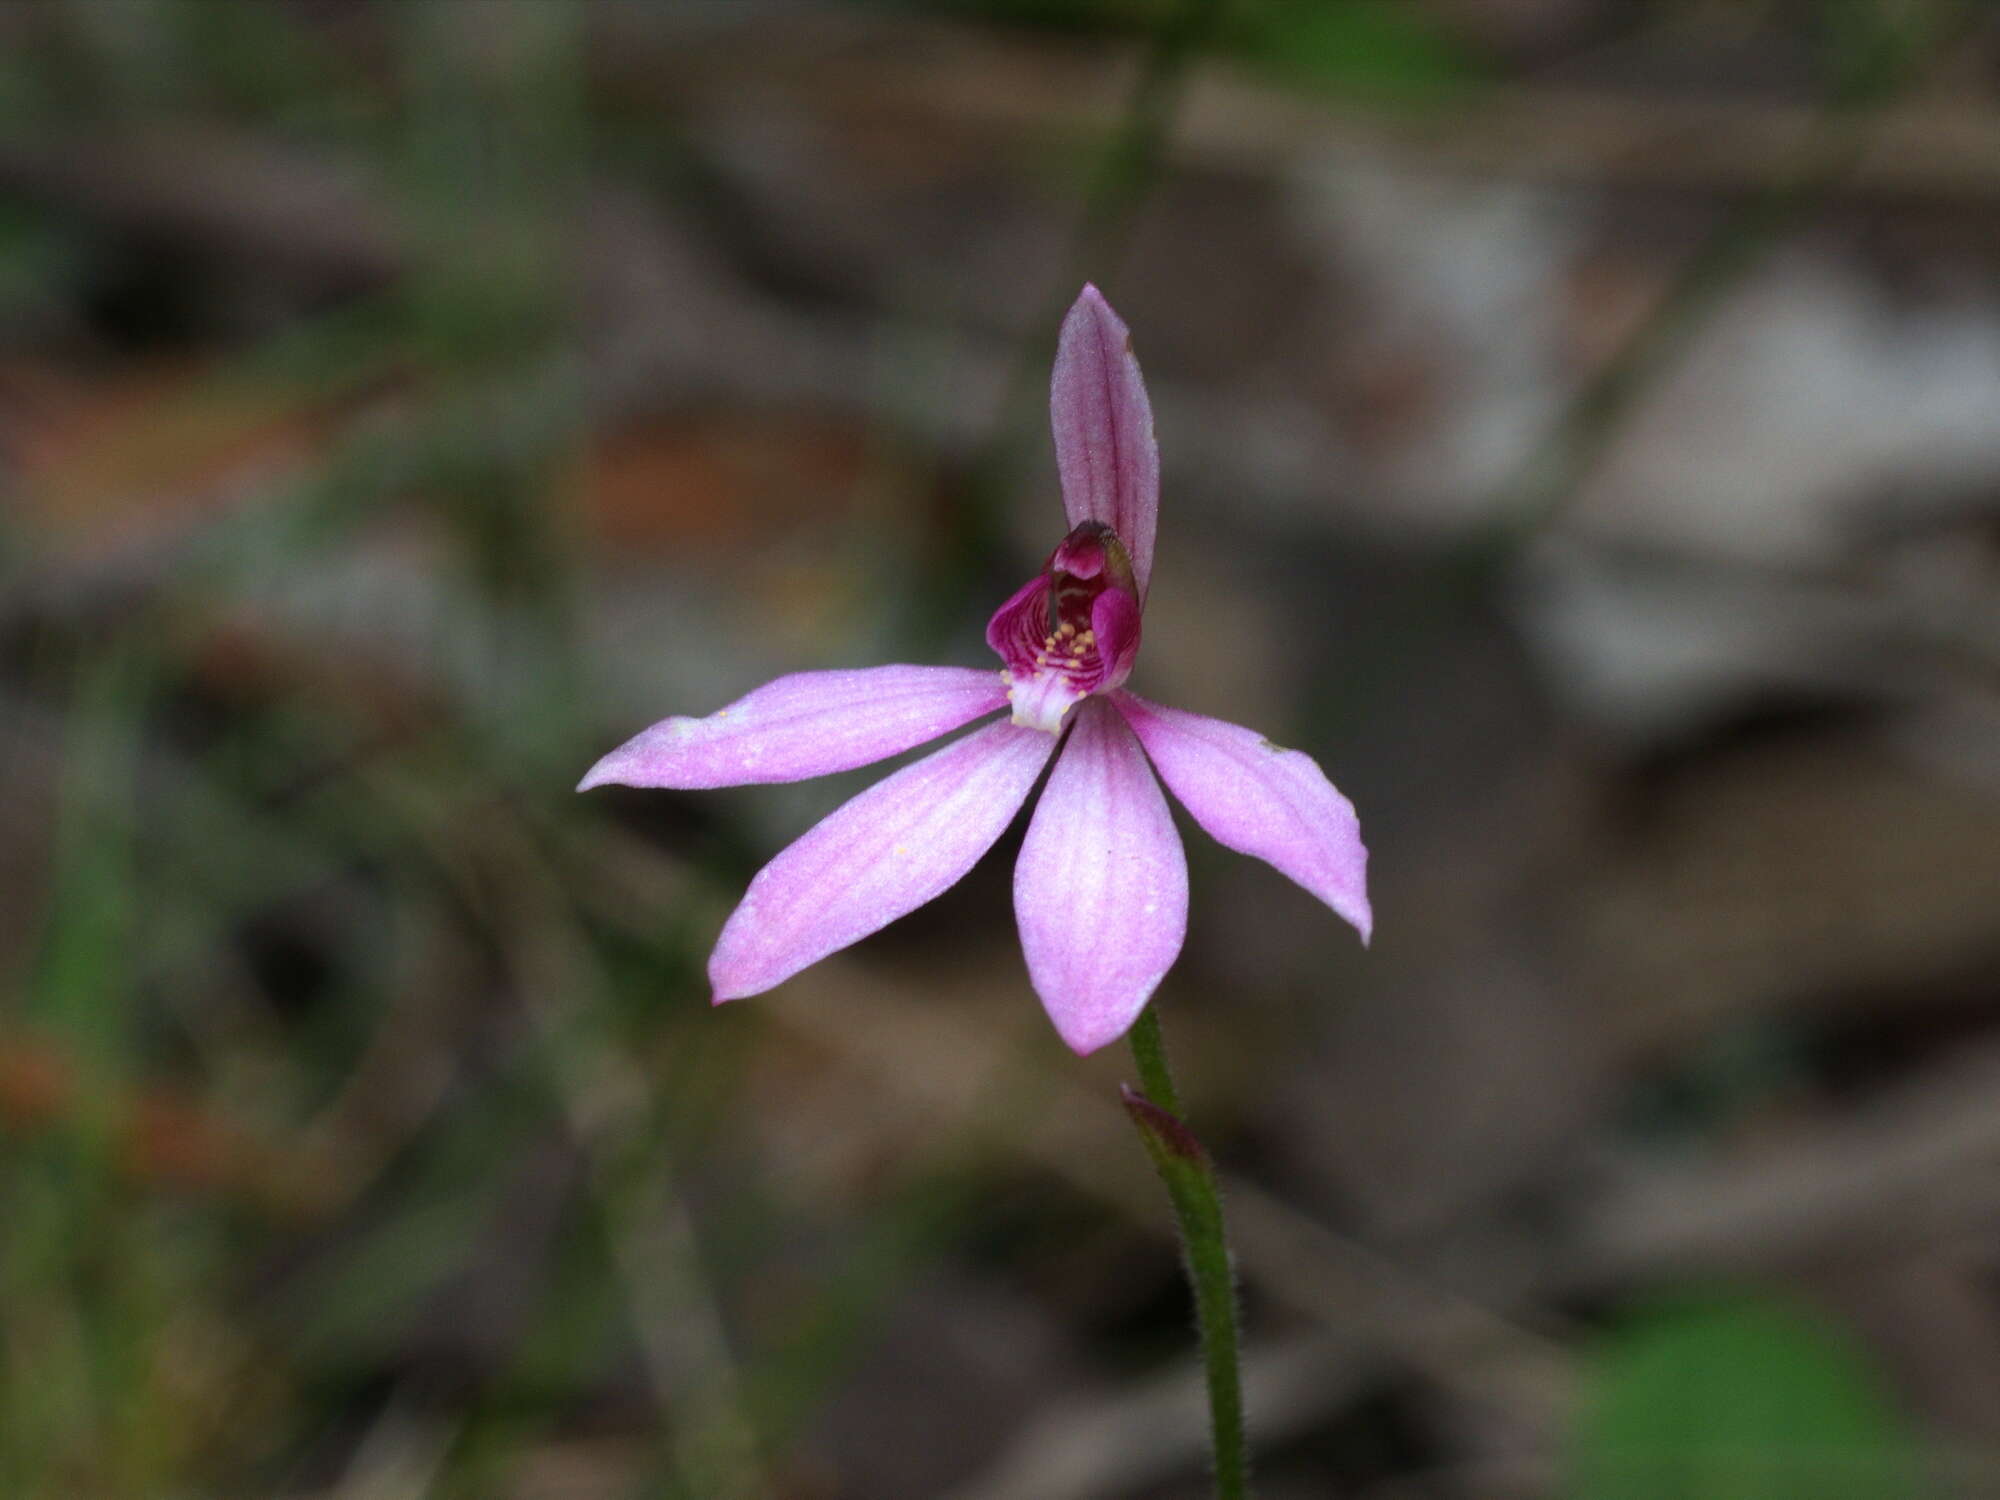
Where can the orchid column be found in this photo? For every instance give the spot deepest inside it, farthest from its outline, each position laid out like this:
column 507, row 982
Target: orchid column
column 1100, row 891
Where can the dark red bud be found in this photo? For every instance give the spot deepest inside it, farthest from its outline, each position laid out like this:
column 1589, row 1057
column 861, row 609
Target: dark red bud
column 1160, row 1126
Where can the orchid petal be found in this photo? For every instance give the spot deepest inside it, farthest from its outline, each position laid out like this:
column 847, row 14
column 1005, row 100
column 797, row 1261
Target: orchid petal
column 1259, row 799
column 1115, row 622
column 1103, row 423
column 807, row 724
column 1101, row 887
column 901, row 843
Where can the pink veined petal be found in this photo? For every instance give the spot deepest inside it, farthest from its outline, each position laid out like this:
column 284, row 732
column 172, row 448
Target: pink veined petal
column 1024, row 617
column 807, row 724
column 904, row 841
column 1260, row 799
column 1101, row 887
column 1105, row 452
column 1115, row 621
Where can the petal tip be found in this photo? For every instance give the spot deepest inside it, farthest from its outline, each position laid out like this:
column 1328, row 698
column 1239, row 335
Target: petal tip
column 1094, row 303
column 1357, row 909
column 1083, row 1043
column 604, row 773
column 725, row 986
column 726, row 981
column 1085, row 1034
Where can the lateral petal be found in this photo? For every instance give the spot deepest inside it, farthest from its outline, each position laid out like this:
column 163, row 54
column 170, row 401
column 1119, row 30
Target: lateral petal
column 1259, row 799
column 1101, row 887
column 1105, row 452
column 807, row 724
column 903, row 842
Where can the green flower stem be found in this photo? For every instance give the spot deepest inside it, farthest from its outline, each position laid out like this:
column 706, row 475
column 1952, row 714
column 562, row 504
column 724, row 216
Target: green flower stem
column 1190, row 1180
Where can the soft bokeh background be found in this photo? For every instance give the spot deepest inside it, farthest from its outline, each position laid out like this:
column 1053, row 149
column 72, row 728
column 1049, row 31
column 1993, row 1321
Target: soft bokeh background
column 1581, row 429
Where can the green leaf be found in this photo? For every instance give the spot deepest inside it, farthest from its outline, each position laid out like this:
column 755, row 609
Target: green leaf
column 1738, row 1398
column 1378, row 51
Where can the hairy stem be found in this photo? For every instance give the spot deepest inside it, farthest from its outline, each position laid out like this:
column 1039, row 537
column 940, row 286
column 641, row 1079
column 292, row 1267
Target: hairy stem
column 1190, row 1181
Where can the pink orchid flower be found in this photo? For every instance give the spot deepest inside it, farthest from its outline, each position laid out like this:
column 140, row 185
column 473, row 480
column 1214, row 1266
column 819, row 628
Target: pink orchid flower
column 1100, row 891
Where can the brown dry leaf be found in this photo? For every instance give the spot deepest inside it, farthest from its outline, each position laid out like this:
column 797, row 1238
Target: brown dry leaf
column 1796, row 875
column 247, row 660
column 146, row 451
column 163, row 1138
column 719, row 481
column 34, row 1083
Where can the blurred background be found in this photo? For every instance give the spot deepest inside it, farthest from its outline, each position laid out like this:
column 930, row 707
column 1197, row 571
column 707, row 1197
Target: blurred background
column 1581, row 432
